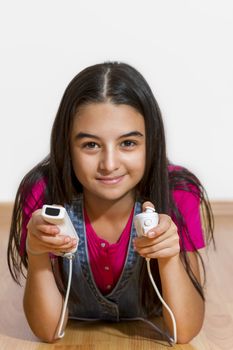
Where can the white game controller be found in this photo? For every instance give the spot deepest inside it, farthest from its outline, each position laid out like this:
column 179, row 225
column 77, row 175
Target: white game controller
column 58, row 216
column 146, row 221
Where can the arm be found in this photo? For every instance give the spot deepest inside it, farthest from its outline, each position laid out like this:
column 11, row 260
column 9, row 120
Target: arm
column 182, row 297
column 42, row 299
column 178, row 291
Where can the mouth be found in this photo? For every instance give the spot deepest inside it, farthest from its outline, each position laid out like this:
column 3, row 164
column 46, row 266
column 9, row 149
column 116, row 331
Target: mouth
column 110, row 180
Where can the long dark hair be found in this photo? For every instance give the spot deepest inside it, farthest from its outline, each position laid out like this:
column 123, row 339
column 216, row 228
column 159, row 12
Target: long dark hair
column 118, row 83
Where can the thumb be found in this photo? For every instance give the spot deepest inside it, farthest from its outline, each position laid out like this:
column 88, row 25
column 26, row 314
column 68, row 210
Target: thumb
column 147, row 204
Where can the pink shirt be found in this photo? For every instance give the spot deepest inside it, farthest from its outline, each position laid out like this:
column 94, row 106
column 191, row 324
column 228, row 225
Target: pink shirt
column 107, row 260
column 189, row 206
column 31, row 204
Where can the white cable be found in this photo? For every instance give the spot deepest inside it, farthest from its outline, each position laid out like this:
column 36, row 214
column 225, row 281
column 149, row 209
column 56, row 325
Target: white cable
column 61, row 332
column 70, row 256
column 174, row 339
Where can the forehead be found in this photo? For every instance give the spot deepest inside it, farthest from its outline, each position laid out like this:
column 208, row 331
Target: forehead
column 102, row 117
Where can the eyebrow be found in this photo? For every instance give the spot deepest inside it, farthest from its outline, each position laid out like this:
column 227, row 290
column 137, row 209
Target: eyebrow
column 82, row 135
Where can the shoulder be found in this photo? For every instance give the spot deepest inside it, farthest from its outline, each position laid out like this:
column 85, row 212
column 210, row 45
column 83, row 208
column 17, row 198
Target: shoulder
column 33, row 198
column 185, row 190
column 186, row 194
column 182, row 179
column 39, row 186
column 173, row 167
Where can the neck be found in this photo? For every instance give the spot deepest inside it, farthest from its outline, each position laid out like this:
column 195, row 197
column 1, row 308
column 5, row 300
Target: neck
column 111, row 209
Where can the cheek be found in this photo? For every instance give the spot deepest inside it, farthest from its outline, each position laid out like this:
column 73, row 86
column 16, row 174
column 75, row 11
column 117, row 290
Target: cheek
column 137, row 163
column 77, row 163
column 82, row 165
column 141, row 166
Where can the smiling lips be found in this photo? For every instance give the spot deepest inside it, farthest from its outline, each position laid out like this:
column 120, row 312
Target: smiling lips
column 110, row 180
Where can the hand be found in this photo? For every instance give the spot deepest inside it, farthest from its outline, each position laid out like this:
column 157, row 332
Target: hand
column 161, row 241
column 43, row 237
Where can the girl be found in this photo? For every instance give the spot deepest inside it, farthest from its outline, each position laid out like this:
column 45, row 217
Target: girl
column 107, row 163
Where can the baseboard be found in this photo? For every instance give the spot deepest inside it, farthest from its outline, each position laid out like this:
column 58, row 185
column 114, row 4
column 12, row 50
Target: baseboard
column 218, row 207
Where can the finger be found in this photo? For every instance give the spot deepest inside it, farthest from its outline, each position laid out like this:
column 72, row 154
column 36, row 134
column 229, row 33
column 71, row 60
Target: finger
column 49, row 229
column 165, row 228
column 37, row 212
column 171, row 233
column 64, row 248
column 49, row 244
column 71, row 244
column 68, row 242
column 171, row 245
column 43, row 230
column 147, row 204
column 37, row 224
column 164, row 253
column 171, row 242
column 141, row 242
column 165, row 222
column 54, row 241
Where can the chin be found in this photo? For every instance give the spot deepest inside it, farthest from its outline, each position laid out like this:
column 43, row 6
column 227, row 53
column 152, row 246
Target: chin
column 113, row 195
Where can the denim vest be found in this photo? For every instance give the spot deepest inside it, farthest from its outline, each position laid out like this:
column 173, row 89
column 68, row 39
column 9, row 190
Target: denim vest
column 86, row 302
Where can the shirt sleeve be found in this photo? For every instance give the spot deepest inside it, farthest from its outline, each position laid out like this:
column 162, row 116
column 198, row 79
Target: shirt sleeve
column 188, row 204
column 33, row 201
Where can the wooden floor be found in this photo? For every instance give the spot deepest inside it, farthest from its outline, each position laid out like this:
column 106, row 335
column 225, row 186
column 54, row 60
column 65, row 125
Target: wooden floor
column 217, row 332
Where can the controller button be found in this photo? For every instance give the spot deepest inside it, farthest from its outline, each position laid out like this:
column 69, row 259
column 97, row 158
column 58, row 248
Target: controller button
column 148, row 222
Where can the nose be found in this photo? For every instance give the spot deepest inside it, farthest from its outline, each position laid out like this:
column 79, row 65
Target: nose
column 109, row 160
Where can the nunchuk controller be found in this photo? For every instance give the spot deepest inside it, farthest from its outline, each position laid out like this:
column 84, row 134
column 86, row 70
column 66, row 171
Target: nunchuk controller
column 146, row 221
column 58, row 216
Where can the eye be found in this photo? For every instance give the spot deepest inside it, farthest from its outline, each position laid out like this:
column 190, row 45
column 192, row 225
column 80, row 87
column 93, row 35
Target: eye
column 128, row 144
column 90, row 145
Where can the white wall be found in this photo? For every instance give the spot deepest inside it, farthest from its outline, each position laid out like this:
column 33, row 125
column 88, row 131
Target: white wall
column 182, row 47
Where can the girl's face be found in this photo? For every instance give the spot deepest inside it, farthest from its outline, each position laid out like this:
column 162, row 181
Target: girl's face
column 108, row 150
